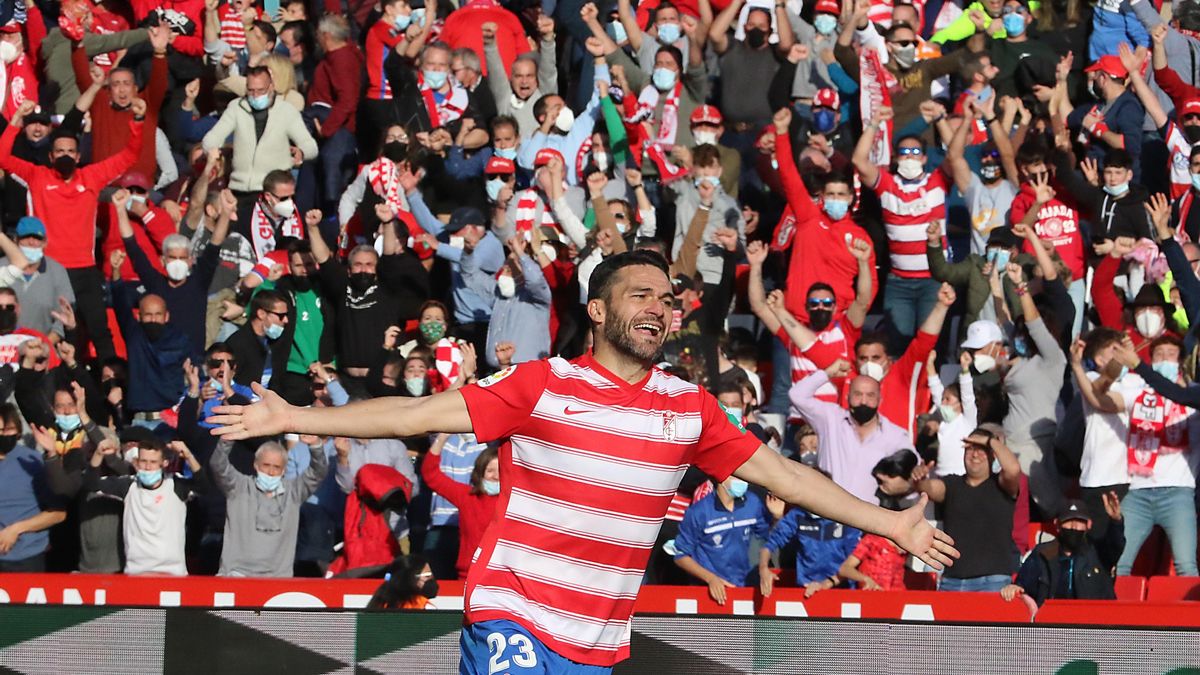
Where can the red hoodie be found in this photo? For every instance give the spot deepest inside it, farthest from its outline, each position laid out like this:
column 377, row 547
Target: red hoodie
column 464, row 29
column 475, row 512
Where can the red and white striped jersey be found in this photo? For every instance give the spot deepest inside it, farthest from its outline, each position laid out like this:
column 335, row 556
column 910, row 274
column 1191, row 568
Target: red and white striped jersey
column 233, row 33
column 833, row 343
column 588, row 470
column 908, row 207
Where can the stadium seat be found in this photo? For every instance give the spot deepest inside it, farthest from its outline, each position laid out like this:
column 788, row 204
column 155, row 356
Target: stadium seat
column 1131, row 588
column 1172, row 589
column 920, row 581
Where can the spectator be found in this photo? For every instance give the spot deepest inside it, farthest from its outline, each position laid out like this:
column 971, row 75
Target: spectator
column 1070, row 567
column 157, row 351
column 522, row 308
column 386, row 452
column 956, row 407
column 716, row 532
column 822, row 545
column 876, row 564
column 256, row 346
column 409, row 584
column 1117, row 121
column 475, row 499
column 533, row 77
column 333, row 105
column 43, row 283
column 27, row 509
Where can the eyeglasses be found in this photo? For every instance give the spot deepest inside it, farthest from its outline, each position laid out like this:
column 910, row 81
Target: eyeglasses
column 618, row 215
column 217, row 363
column 827, row 303
column 278, row 315
column 903, row 152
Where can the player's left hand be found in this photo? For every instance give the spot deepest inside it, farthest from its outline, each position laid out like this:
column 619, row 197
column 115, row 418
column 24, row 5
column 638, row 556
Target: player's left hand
column 914, row 534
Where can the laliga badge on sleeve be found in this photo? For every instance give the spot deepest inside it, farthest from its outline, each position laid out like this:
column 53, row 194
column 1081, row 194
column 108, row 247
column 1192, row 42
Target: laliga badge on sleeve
column 497, row 376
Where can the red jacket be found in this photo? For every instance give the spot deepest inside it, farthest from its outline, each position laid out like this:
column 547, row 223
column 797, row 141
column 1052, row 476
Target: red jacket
column 819, row 251
column 463, row 28
column 68, row 208
column 904, row 391
column 337, row 83
column 475, row 512
column 560, row 276
column 156, row 226
column 1112, row 311
column 192, row 45
column 369, row 540
column 110, row 125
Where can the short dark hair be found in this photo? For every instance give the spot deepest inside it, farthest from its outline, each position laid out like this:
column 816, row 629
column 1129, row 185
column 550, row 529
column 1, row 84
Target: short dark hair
column 876, row 338
column 508, row 120
column 913, row 137
column 255, row 71
column 891, row 32
column 10, row 415
column 604, row 277
column 899, row 464
column 675, row 54
column 219, row 347
column 1099, row 338
column 268, row 30
column 1118, row 158
column 264, row 300
column 539, row 106
column 706, row 155
column 277, row 177
column 1031, row 152
column 820, row 286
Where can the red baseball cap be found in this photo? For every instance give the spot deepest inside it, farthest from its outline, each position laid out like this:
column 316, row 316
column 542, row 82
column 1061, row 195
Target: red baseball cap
column 501, row 165
column 707, row 114
column 826, row 98
column 134, row 179
column 11, row 27
column 1190, row 106
column 1110, row 65
column 828, row 7
column 544, row 156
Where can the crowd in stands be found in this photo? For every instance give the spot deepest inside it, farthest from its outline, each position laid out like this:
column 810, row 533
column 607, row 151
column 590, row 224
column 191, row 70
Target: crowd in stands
column 935, row 250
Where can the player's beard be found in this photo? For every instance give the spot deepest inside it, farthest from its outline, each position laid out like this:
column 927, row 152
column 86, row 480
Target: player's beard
column 618, row 333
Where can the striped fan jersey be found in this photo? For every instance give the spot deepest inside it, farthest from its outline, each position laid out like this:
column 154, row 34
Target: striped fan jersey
column 589, row 466
column 908, row 207
column 835, row 342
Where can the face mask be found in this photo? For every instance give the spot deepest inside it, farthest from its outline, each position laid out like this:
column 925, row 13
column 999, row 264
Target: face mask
column 600, row 159
column 1014, row 24
column 259, row 102
column 756, row 38
column 1118, row 189
column 949, row 414
column 616, row 30
column 153, row 331
column 990, row 173
column 401, row 22
column 67, row 423
column 216, row 385
column 432, row 331
column 668, row 32
column 1168, row 369
column 1150, row 324
column 905, row 56
column 506, row 153
column 663, row 78
column 1072, row 540
column 7, row 443
column 998, row 257
column 284, row 208
column 1196, row 181
column 705, row 137
column 819, row 319
column 418, row 15
column 273, row 331
column 429, row 589
column 149, row 478
column 491, row 487
column 8, row 319
column 395, row 150
column 836, row 208
column 909, row 168
column 825, row 24
column 735, row 413
column 1191, row 133
column 436, row 79
column 550, row 252
column 458, row 242
column 872, row 370
column 1021, row 345
column 507, row 286
column 267, row 483
column 565, row 120
column 415, row 385
column 493, row 186
column 134, row 200
column 985, row 93
column 995, row 466
column 33, row 255
column 8, row 52
column 301, row 284
column 714, row 181
column 862, row 413
column 64, row 165
column 984, row 363
column 1096, row 91
column 177, row 270
column 825, row 120
column 362, row 282
column 737, row 488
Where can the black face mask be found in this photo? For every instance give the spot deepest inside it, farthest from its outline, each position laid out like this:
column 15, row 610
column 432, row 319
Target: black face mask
column 65, row 165
column 819, row 319
column 862, row 413
column 8, row 319
column 1191, row 133
column 1072, row 540
column 153, row 331
column 301, row 284
column 756, row 38
column 429, row 589
column 111, row 383
column 7, row 443
column 361, row 281
column 395, row 150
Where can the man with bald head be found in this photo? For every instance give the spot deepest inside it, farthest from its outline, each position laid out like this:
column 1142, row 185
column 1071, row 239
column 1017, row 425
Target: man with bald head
column 156, row 352
column 850, row 441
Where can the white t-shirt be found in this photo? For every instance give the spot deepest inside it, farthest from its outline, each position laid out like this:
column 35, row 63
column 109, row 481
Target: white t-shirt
column 1175, row 469
column 1105, row 461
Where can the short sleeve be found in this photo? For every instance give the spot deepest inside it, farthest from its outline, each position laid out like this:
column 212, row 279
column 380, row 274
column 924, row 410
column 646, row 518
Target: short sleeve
column 723, row 446
column 862, row 550
column 501, row 403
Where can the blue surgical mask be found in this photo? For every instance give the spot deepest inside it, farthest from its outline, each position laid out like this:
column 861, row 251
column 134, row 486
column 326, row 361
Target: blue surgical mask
column 1168, row 369
column 836, row 208
column 1196, row 181
column 259, row 102
column 491, row 487
column 825, row 23
column 737, row 488
column 824, row 119
column 415, row 385
column 506, row 153
column 1014, row 24
column 267, row 482
column 663, row 78
column 714, row 181
column 216, row 385
column 616, row 30
column 668, row 33
column 418, row 15
column 134, row 199
column 1118, row 189
column 995, row 466
column 149, row 478
column 985, row 94
column 273, row 331
column 949, row 414
column 436, row 79
column 32, row 254
column 67, row 422
column 493, row 187
column 998, row 257
column 402, row 21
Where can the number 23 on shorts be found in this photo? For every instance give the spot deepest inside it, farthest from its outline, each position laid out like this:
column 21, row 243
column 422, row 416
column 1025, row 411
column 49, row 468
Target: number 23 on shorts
column 502, row 659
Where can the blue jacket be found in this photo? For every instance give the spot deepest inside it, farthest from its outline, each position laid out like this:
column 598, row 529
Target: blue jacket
column 523, row 319
column 823, row 545
column 1124, row 117
column 473, row 273
column 719, row 540
column 155, row 368
column 1114, row 22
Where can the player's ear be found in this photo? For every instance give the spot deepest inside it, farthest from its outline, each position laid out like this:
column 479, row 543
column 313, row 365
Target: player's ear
column 596, row 310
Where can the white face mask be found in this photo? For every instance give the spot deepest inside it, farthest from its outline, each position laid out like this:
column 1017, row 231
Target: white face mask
column 177, row 270
column 984, row 363
column 565, row 120
column 705, row 137
column 909, row 168
column 1150, row 324
column 8, row 52
column 549, row 251
column 284, row 208
column 872, row 370
column 601, row 160
column 458, row 242
column 507, row 286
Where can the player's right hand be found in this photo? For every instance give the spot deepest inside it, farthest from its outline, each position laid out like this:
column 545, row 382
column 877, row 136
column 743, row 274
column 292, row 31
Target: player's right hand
column 716, row 590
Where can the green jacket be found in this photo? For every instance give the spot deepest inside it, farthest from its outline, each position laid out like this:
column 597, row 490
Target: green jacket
column 56, row 54
column 963, row 28
column 968, row 274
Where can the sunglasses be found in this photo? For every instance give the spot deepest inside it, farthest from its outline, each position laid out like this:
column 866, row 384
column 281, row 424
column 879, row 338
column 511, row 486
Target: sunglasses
column 827, row 303
column 903, row 152
column 904, row 43
column 217, row 363
column 278, row 315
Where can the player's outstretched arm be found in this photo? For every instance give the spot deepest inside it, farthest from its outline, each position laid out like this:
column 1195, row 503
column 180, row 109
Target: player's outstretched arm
column 798, row 484
column 389, row 417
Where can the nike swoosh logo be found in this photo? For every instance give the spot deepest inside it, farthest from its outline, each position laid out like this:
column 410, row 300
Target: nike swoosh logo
column 568, row 411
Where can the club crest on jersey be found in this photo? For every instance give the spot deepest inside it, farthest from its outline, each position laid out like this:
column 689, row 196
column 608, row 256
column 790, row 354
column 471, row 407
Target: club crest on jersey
column 668, row 426
column 497, row 376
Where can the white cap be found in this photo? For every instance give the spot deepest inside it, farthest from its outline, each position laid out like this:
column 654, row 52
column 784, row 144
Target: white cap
column 982, row 333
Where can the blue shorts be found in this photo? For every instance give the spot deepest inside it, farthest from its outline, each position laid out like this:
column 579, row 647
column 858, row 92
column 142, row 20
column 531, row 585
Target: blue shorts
column 498, row 647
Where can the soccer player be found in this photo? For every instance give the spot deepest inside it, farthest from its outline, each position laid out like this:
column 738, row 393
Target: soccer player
column 593, row 451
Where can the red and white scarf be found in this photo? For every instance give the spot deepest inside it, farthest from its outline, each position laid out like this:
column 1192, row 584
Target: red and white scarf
column 527, row 205
column 262, row 230
column 447, row 361
column 877, row 86
column 647, row 101
column 451, row 107
column 1156, row 426
column 384, row 178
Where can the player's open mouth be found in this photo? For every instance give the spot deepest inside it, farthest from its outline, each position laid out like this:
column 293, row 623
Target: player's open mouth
column 650, row 329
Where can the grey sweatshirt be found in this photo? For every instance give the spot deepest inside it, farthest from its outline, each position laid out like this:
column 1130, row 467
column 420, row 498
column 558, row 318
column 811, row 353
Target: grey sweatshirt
column 39, row 296
column 1032, row 386
column 261, row 528
column 1183, row 55
column 725, row 212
